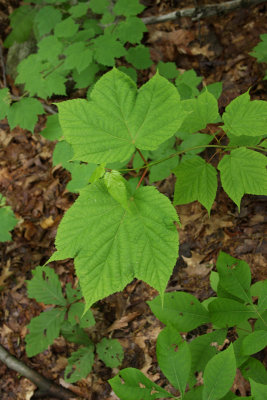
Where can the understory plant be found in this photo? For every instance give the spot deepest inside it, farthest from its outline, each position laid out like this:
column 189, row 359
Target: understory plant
column 66, row 317
column 206, row 365
column 8, row 220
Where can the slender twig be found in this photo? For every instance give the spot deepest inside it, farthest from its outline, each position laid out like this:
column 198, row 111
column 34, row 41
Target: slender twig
column 148, row 165
column 46, row 386
column 141, row 155
column 142, row 177
column 3, row 66
column 201, row 12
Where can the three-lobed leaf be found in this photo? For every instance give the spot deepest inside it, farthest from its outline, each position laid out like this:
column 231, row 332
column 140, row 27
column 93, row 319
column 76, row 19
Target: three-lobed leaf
column 111, row 245
column 119, row 119
column 243, row 171
column 195, row 180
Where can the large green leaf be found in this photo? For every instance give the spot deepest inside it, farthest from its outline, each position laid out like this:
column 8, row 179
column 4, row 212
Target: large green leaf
column 227, row 312
column 235, row 276
column 245, row 117
column 219, row 374
column 46, row 19
column 21, row 22
column 196, row 180
column 174, row 358
column 259, row 289
column 119, row 118
column 136, row 386
column 180, row 310
column 243, row 171
column 112, row 245
column 43, row 330
column 45, row 287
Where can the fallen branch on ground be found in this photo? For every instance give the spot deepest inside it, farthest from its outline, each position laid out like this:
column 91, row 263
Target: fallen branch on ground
column 198, row 13
column 46, row 387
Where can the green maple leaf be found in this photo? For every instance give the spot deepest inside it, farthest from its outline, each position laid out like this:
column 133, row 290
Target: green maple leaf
column 52, row 131
column 128, row 8
column 79, row 10
column 119, row 118
column 112, row 245
column 187, row 84
column 78, row 56
column 260, row 51
column 139, row 56
column 5, row 100
column 46, row 19
column 8, row 222
column 245, row 117
column 66, row 29
column 196, row 180
column 86, row 77
column 168, row 69
column 107, row 48
column 21, row 22
column 243, row 171
column 24, row 113
column 99, row 6
column 38, row 78
column 49, row 48
column 131, row 30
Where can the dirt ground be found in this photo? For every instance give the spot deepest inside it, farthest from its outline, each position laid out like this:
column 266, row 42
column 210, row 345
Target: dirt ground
column 218, row 49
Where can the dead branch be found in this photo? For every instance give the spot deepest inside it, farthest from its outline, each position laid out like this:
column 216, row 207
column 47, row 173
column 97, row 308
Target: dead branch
column 45, row 386
column 201, row 12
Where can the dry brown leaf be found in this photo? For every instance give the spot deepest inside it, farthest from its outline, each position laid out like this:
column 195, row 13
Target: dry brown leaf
column 47, row 222
column 6, row 273
column 123, row 322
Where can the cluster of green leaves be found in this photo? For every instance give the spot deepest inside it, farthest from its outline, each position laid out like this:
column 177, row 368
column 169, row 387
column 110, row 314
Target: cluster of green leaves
column 74, row 44
column 260, row 51
column 115, row 232
column 8, row 220
column 66, row 318
column 208, row 354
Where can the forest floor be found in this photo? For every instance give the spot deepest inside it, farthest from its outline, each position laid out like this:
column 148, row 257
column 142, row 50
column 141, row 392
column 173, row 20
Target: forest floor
column 218, row 49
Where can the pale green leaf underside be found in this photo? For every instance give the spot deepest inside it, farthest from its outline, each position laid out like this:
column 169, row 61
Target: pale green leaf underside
column 196, row 180
column 119, row 118
column 243, row 171
column 112, row 246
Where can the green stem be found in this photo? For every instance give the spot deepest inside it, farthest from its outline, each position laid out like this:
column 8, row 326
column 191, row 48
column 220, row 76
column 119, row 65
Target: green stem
column 148, row 165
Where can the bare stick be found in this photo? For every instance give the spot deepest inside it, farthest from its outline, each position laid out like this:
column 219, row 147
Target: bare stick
column 200, row 12
column 46, row 386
